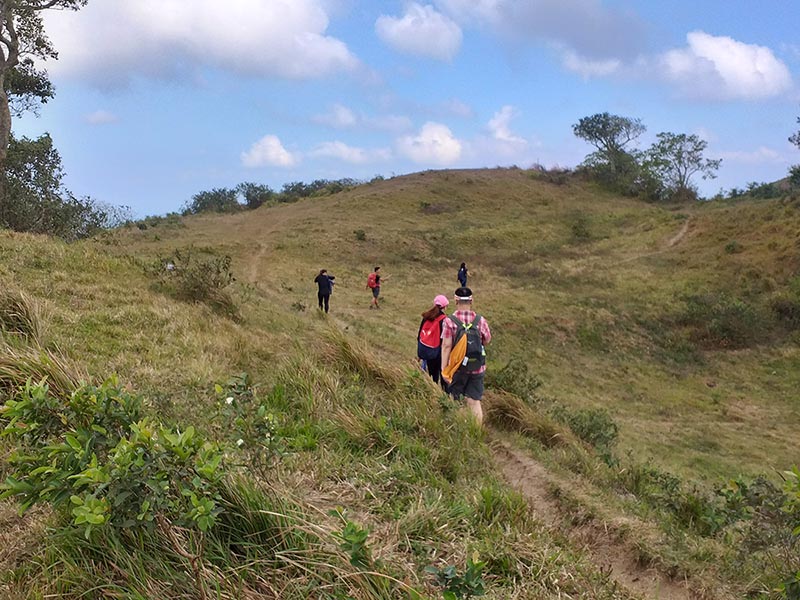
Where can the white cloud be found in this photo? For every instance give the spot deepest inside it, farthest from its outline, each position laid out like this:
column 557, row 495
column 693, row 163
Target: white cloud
column 422, row 31
column 761, row 155
column 499, row 126
column 165, row 38
column 349, row 154
column 723, row 68
column 589, row 28
column 587, row 68
column 435, row 144
column 269, row 152
column 101, row 117
column 339, row 117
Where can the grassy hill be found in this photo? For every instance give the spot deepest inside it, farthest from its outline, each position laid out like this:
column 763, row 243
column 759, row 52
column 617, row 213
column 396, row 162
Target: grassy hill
column 643, row 354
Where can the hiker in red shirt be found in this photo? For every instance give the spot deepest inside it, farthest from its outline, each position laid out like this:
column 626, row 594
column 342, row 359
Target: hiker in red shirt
column 429, row 339
column 467, row 380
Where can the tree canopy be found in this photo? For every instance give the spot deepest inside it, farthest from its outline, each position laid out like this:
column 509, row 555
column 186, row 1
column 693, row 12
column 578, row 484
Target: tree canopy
column 675, row 159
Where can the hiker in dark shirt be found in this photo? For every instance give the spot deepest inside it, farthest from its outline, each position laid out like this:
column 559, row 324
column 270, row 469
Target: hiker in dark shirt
column 462, row 275
column 325, row 284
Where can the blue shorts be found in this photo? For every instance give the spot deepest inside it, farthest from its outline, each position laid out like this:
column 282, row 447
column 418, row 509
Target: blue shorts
column 376, row 291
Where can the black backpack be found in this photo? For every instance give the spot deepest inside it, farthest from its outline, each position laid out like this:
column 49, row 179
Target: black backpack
column 476, row 355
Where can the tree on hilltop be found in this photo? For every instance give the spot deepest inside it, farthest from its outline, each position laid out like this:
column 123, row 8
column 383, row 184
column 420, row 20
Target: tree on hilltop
column 674, row 160
column 610, row 134
column 794, row 171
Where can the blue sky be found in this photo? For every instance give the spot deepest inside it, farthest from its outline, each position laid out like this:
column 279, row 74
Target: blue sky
column 159, row 99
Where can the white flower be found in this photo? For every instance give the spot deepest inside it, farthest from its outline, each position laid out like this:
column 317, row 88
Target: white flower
column 229, row 400
column 239, row 442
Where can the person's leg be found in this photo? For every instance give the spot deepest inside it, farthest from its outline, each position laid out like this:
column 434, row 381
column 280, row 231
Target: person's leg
column 319, row 299
column 327, row 299
column 375, row 293
column 473, row 392
column 435, row 368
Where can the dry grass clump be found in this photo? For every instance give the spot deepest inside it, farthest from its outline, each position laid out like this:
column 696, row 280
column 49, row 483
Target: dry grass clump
column 506, row 411
column 355, row 356
column 22, row 317
column 18, row 365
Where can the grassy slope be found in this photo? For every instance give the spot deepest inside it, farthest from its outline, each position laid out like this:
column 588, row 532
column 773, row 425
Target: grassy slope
column 573, row 309
column 570, row 278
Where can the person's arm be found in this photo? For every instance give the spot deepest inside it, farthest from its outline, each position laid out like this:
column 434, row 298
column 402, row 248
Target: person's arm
column 447, row 346
column 486, row 333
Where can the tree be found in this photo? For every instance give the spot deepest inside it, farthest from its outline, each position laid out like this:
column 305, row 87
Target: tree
column 255, row 194
column 22, row 39
column 794, row 171
column 223, row 200
column 36, row 201
column 677, row 157
column 610, row 134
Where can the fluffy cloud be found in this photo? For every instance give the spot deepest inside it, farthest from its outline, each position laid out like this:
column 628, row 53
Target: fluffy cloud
column 349, row 154
column 339, row 117
column 110, row 41
column 590, row 68
column 724, row 68
column 585, row 27
column 269, row 152
column 101, row 117
column 435, row 144
column 422, row 31
column 499, row 126
column 342, row 117
column 761, row 155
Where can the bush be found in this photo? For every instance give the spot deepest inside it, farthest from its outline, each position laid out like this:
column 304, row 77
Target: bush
column 594, row 426
column 95, row 458
column 192, row 278
column 21, row 317
column 721, row 320
column 515, row 378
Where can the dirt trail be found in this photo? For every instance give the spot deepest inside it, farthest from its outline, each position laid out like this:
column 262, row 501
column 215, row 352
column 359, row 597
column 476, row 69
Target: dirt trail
column 606, row 550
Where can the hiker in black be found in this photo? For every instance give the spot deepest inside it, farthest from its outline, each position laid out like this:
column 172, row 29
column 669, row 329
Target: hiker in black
column 429, row 339
column 325, row 288
column 462, row 275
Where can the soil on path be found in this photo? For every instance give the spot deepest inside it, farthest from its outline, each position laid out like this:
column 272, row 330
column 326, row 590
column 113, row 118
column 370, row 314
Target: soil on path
column 605, row 548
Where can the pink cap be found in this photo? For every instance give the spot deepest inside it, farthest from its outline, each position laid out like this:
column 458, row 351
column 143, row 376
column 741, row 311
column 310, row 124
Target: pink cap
column 441, row 300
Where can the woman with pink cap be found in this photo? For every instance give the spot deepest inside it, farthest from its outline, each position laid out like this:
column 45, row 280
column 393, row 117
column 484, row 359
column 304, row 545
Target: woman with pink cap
column 429, row 339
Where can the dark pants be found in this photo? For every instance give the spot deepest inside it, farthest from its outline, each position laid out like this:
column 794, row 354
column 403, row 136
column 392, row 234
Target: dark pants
column 324, row 299
column 435, row 371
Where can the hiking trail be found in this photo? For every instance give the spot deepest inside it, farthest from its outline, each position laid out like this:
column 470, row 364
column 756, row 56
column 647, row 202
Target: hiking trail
column 597, row 539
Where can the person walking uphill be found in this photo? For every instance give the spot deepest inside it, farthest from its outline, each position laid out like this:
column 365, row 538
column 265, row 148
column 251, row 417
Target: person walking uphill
column 374, row 283
column 464, row 336
column 429, row 339
column 325, row 288
column 462, row 275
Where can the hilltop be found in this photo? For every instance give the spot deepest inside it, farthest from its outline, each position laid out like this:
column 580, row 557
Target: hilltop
column 643, row 355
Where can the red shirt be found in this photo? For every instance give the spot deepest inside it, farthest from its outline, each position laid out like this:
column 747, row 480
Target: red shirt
column 466, row 316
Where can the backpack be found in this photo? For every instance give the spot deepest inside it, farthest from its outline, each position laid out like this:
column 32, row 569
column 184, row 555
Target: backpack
column 429, row 338
column 372, row 280
column 474, row 354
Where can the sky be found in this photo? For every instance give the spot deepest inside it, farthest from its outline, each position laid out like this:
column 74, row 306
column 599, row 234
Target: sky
column 157, row 100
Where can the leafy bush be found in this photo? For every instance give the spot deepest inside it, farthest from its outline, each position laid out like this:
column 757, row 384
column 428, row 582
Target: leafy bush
column 455, row 585
column 360, row 234
column 220, row 200
column 733, row 247
column 194, row 278
column 721, row 320
column 95, row 458
column 594, row 426
column 515, row 378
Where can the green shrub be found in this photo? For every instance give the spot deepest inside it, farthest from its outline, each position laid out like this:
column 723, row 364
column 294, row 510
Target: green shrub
column 194, row 278
column 733, row 247
column 96, row 459
column 360, row 234
column 594, row 426
column 515, row 378
column 720, row 320
column 456, row 586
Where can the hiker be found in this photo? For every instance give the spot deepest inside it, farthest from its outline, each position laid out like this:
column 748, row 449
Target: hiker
column 374, row 283
column 429, row 339
column 325, row 288
column 462, row 274
column 464, row 335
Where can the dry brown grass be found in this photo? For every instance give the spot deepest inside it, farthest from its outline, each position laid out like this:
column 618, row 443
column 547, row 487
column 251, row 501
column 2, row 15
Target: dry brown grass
column 22, row 317
column 506, row 411
column 19, row 365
